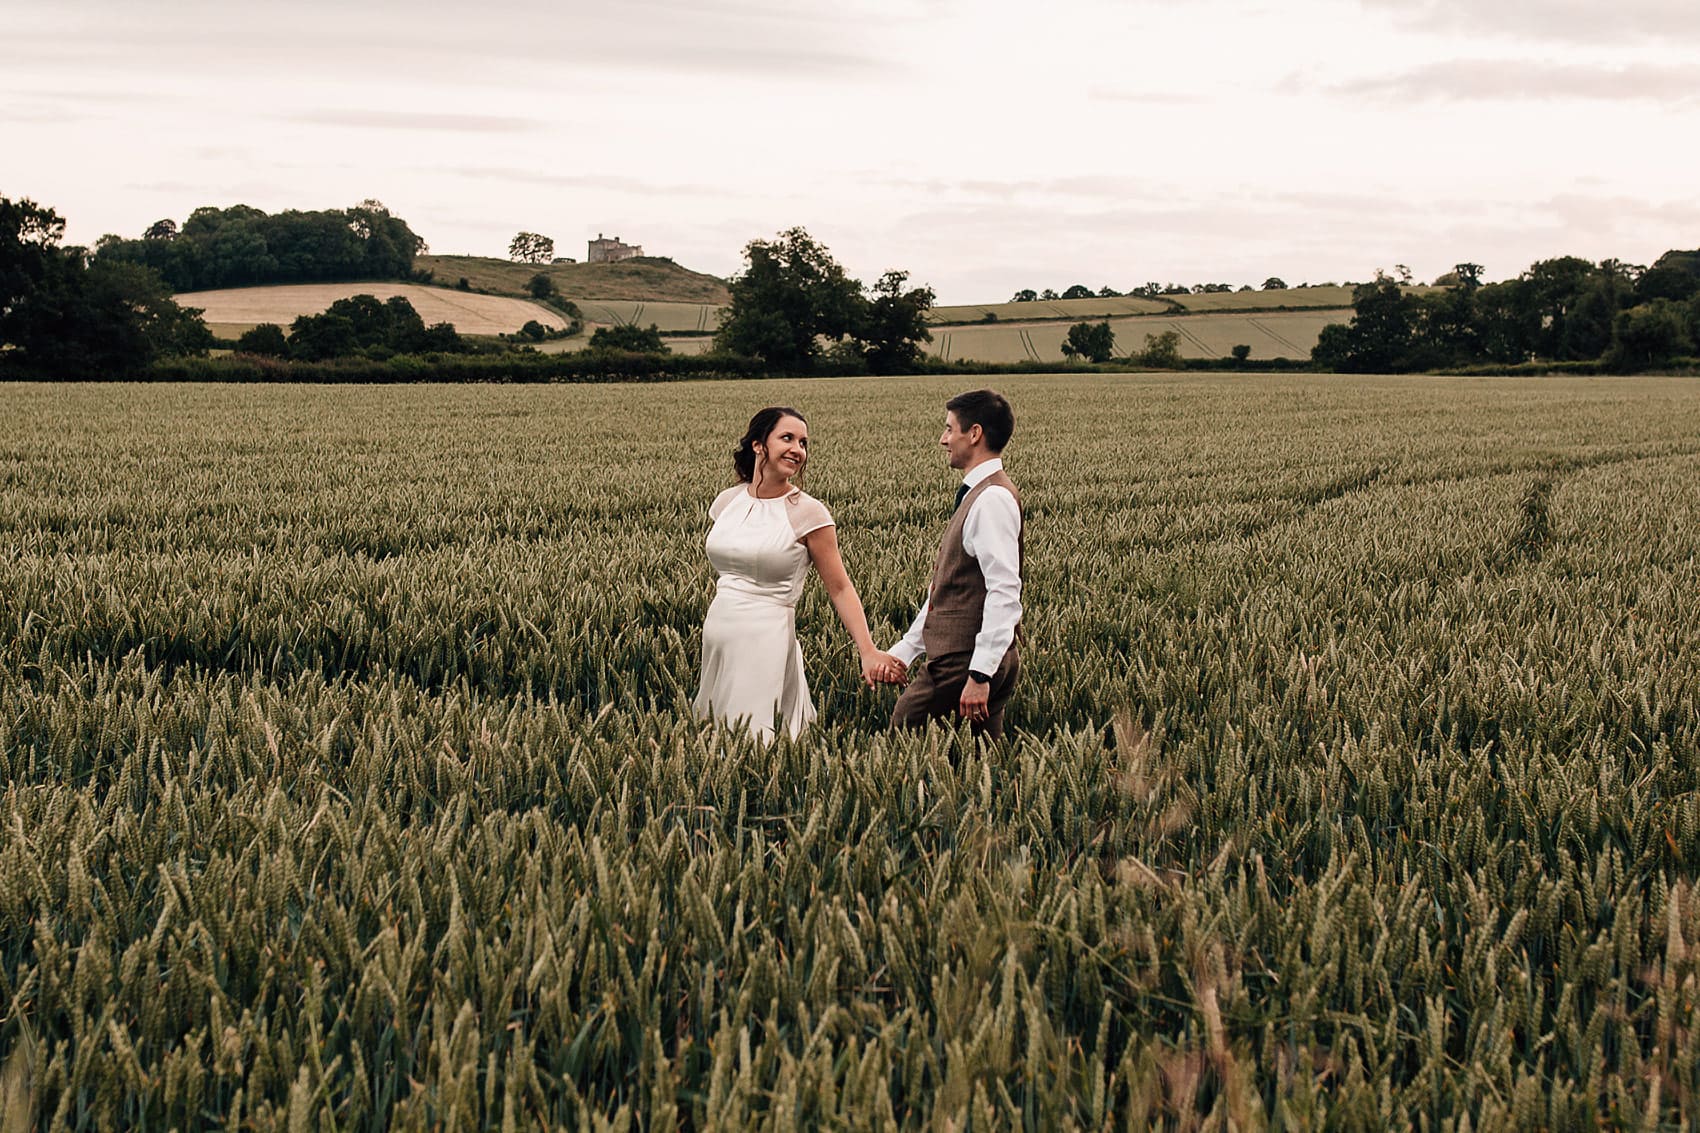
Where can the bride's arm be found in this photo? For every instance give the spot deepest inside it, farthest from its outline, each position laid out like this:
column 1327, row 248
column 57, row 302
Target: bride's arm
column 822, row 545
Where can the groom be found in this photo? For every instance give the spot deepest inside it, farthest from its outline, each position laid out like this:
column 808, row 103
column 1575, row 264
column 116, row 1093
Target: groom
column 967, row 627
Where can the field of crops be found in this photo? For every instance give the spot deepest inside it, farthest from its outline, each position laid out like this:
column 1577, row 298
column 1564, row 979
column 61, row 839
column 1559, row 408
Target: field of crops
column 1050, row 309
column 1124, row 305
column 348, row 778
column 1272, row 334
column 231, row 311
column 674, row 317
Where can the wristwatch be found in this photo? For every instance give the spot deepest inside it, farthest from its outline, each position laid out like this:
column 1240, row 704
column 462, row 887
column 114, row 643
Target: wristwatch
column 982, row 678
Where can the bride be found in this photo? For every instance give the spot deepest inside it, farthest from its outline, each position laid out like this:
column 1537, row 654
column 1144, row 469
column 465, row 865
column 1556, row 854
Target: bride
column 766, row 534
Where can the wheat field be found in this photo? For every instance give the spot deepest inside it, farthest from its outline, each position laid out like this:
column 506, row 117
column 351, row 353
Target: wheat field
column 1271, row 334
column 348, row 778
column 233, row 310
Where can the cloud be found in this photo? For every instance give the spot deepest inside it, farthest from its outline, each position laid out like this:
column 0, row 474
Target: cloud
column 1146, row 97
column 606, row 182
column 552, row 37
column 1572, row 21
column 410, row 120
column 1476, row 80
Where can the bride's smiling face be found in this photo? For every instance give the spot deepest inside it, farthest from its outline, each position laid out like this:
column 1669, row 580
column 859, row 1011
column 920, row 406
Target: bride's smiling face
column 787, row 446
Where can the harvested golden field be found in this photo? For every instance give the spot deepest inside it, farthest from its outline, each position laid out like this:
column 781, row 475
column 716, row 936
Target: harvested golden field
column 667, row 316
column 1273, row 334
column 697, row 344
column 1292, row 297
column 1075, row 309
column 239, row 308
column 349, row 778
column 1098, row 309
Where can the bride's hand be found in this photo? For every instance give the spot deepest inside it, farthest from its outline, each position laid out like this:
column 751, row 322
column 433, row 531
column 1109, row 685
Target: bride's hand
column 883, row 668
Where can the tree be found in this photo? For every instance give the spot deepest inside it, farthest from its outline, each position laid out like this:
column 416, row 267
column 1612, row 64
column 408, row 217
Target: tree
column 1095, row 342
column 1078, row 291
column 364, row 324
column 1274, row 283
column 1674, row 275
column 241, row 245
column 29, row 248
column 1162, row 351
column 1380, row 336
column 531, row 248
column 1108, row 292
column 1025, row 295
column 1648, row 336
column 630, row 337
column 541, row 286
column 894, row 324
column 1047, row 294
column 266, row 339
column 62, row 315
column 1589, row 327
column 316, row 338
column 1553, row 287
column 790, row 295
column 1240, row 353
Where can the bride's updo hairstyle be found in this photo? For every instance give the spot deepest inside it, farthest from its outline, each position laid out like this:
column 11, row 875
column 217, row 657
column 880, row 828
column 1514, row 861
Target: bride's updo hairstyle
column 744, row 456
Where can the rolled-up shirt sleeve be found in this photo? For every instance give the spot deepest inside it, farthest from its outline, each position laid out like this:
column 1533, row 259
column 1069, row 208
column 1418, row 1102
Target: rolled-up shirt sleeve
column 911, row 647
column 991, row 533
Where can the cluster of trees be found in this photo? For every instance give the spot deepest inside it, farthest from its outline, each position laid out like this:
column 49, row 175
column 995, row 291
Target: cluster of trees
column 1093, row 342
column 793, row 303
column 63, row 315
column 1566, row 309
column 242, row 246
column 631, row 338
column 1148, row 291
column 531, row 248
column 360, row 326
column 1096, row 342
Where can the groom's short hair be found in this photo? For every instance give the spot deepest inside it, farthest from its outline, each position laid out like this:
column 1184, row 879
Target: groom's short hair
column 987, row 409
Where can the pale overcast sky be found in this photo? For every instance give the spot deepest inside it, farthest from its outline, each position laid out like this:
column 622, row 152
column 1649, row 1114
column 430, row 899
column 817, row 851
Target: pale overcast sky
column 981, row 146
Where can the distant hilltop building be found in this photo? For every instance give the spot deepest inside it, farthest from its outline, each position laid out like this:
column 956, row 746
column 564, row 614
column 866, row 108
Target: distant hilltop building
column 606, row 251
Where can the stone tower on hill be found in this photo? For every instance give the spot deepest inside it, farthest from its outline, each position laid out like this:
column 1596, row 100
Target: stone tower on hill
column 606, row 251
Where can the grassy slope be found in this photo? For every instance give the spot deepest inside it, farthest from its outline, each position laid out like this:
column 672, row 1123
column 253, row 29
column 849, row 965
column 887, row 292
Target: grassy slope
column 646, row 278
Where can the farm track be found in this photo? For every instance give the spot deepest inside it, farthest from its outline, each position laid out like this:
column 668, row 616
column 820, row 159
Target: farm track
column 1298, row 350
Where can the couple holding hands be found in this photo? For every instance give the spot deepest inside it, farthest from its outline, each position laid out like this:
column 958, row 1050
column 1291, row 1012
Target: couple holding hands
column 766, row 534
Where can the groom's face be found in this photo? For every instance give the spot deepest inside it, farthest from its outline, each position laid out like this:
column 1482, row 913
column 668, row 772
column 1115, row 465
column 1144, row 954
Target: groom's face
column 957, row 442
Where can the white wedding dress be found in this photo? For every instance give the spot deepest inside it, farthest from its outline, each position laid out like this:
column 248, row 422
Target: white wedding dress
column 752, row 666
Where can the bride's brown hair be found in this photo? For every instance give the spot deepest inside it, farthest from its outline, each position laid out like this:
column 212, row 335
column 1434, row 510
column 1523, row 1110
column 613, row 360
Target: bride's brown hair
column 744, row 456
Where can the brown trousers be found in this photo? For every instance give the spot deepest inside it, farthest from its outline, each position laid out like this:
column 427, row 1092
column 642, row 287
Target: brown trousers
column 935, row 693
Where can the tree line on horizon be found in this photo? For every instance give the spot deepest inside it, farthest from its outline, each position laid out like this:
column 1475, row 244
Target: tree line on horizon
column 1150, row 290
column 242, row 246
column 65, row 311
column 1564, row 310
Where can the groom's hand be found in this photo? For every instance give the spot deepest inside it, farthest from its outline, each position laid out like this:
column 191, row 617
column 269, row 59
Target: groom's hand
column 976, row 700
column 883, row 668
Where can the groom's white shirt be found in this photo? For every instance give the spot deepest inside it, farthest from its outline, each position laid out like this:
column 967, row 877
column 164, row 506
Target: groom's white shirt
column 991, row 535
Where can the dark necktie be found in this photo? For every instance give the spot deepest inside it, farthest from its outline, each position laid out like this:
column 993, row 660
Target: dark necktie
column 961, row 490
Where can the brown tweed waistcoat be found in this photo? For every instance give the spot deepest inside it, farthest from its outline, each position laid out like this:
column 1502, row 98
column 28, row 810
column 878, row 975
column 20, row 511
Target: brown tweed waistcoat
column 956, row 603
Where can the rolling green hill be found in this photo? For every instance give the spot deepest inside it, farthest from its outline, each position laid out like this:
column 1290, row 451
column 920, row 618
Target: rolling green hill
column 646, row 278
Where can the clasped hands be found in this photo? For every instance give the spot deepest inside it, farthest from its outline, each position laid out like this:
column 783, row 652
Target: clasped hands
column 883, row 669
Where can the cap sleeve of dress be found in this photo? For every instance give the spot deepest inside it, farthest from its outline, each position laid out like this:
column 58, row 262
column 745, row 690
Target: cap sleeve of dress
column 806, row 514
column 724, row 498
